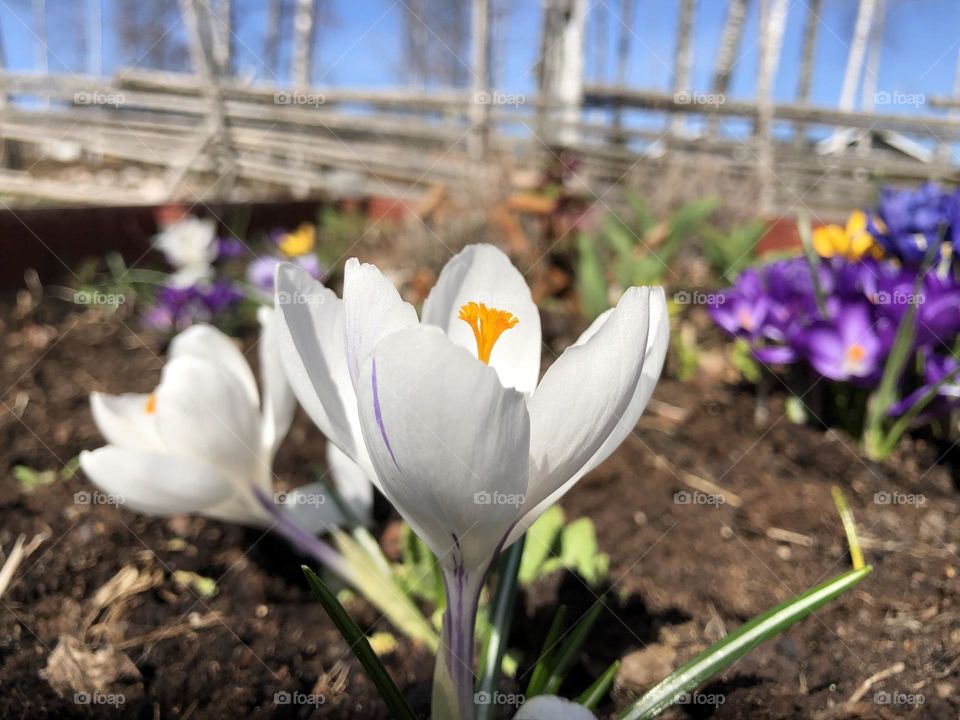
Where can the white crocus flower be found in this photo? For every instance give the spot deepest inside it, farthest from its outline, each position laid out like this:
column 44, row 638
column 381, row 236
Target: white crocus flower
column 190, row 246
column 551, row 707
column 204, row 443
column 464, row 441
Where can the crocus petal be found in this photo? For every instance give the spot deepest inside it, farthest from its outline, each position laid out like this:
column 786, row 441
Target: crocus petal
column 312, row 508
column 449, row 442
column 352, row 483
column 484, row 274
column 372, row 310
column 311, row 336
column 125, row 420
column 207, row 343
column 204, row 413
column 279, row 402
column 154, row 483
column 591, row 398
column 551, row 707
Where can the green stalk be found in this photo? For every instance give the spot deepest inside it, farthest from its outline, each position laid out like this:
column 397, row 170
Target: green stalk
column 357, row 642
column 737, row 644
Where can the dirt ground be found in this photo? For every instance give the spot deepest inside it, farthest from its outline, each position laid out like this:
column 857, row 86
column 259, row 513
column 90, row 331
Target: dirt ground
column 708, row 519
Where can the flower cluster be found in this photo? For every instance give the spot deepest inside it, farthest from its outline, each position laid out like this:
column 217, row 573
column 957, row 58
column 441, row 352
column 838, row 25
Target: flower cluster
column 191, row 293
column 841, row 315
column 908, row 223
column 295, row 247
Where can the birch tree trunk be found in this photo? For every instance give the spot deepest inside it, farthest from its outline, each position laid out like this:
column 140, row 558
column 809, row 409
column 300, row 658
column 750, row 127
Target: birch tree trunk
column 730, row 40
column 773, row 15
column 562, row 68
column 220, row 13
column 805, row 82
column 480, row 109
column 623, row 54
column 858, row 48
column 683, row 62
column 271, row 40
column 304, row 22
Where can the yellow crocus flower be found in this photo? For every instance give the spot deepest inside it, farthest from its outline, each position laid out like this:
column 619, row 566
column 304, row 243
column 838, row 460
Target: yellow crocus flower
column 300, row 241
column 851, row 242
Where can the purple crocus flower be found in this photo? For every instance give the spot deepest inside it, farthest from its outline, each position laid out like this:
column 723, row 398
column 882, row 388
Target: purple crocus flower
column 177, row 308
column 261, row 272
column 850, row 346
column 229, row 248
column 937, row 368
column 742, row 309
column 913, row 221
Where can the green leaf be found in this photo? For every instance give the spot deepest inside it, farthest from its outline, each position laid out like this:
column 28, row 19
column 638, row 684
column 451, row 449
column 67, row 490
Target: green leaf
column 541, row 671
column 31, row 479
column 494, row 644
column 592, row 696
column 591, row 281
column 357, row 642
column 541, row 539
column 737, row 644
column 580, row 551
column 849, row 527
column 385, row 593
column 563, row 658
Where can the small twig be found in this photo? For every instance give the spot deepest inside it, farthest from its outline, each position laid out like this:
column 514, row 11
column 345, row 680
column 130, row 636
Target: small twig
column 20, row 552
column 865, row 686
column 789, row 536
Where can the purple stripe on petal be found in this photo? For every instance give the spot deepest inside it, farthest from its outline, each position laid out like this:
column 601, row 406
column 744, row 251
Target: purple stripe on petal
column 379, row 416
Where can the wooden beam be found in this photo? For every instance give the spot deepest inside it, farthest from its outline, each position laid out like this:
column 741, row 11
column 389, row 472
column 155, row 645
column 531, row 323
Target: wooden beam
column 930, row 126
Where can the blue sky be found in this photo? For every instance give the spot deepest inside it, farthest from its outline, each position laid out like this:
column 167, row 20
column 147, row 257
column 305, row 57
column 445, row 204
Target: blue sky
column 361, row 44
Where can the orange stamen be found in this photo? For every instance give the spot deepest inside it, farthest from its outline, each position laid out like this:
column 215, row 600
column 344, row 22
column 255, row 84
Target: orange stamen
column 151, row 407
column 856, row 353
column 488, row 324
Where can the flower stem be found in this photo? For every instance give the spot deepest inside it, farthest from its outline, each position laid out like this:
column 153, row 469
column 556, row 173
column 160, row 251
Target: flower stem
column 306, row 542
column 453, row 673
column 375, row 583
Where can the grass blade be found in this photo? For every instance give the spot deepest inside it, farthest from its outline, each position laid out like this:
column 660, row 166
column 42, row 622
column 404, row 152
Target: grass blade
column 357, row 642
column 592, row 696
column 501, row 616
column 541, row 670
column 570, row 647
column 849, row 527
column 737, row 644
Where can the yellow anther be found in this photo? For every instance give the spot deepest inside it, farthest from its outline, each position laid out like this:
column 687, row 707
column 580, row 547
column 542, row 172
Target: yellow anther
column 488, row 324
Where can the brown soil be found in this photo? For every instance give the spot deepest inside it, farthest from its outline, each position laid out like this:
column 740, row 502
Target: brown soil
column 681, row 574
